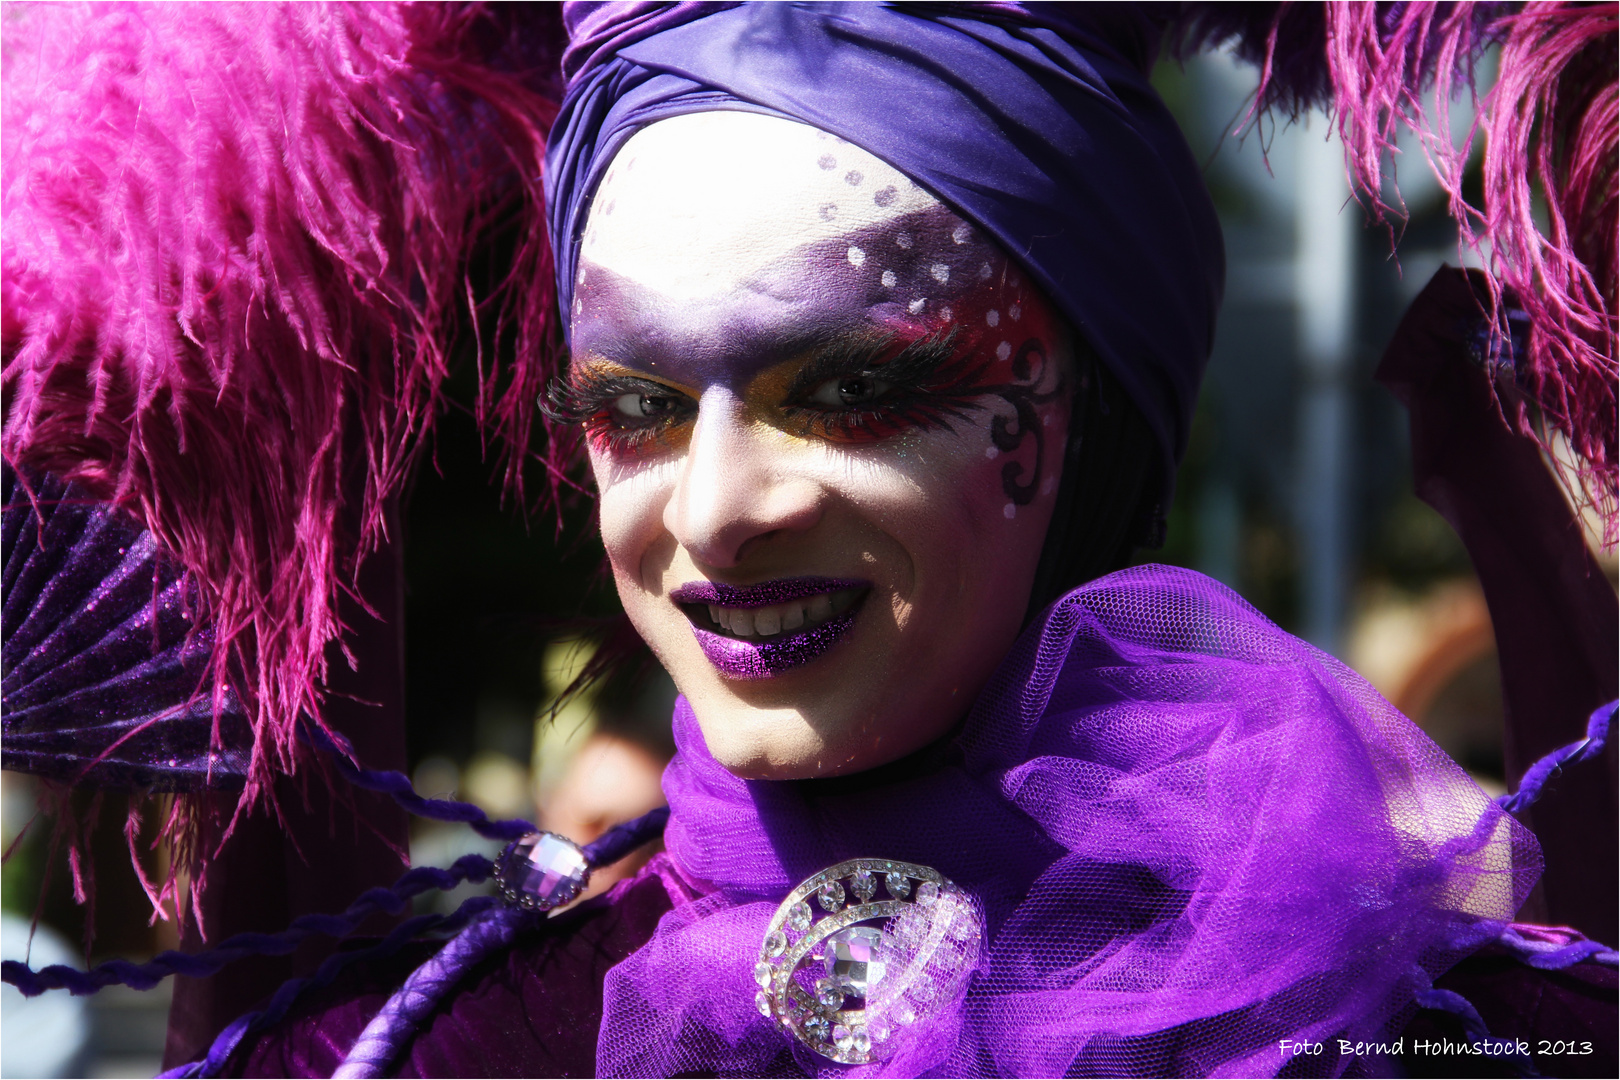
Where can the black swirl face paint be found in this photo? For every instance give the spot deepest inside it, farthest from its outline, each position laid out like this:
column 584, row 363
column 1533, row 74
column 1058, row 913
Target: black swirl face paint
column 1035, row 383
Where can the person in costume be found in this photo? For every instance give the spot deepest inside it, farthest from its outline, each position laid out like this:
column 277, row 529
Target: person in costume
column 884, row 327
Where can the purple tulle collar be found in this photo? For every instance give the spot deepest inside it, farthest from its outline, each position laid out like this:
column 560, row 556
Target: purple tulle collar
column 1187, row 840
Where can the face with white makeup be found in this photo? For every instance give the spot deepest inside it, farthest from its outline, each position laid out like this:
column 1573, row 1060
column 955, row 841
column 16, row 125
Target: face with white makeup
column 825, row 417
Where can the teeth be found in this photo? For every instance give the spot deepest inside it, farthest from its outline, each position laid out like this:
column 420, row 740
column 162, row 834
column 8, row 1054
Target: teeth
column 773, row 620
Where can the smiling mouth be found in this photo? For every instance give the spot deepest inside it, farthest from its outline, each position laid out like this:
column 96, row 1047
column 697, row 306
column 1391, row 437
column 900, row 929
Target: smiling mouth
column 774, row 619
column 760, row 631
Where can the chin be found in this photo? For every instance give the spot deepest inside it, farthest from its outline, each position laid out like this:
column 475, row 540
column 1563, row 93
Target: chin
column 814, row 728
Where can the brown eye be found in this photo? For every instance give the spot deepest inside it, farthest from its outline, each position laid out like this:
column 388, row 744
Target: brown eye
column 645, row 406
column 849, row 392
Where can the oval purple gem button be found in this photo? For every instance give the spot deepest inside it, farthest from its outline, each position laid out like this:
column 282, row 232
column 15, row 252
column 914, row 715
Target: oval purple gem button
column 542, row 870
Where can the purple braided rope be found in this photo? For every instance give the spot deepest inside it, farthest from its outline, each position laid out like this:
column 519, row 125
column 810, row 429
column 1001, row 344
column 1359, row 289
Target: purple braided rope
column 1556, row 955
column 621, row 840
column 605, row 850
column 1598, row 728
column 293, row 989
column 380, row 1043
column 391, row 901
column 385, row 1037
column 397, row 786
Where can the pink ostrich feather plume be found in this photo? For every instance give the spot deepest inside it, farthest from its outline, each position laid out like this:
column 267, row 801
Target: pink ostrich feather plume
column 1549, row 129
column 237, row 248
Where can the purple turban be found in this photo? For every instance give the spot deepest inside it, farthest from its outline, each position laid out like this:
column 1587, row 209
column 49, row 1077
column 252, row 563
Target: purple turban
column 1035, row 122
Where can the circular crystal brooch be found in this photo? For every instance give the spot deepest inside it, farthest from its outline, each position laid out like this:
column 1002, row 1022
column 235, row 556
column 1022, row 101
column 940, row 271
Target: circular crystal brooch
column 541, row 870
column 849, row 983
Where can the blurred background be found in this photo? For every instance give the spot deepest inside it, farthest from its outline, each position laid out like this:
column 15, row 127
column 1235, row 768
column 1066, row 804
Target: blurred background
column 1296, row 492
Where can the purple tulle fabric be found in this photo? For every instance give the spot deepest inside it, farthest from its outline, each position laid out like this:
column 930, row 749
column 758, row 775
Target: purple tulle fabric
column 104, row 662
column 1191, row 836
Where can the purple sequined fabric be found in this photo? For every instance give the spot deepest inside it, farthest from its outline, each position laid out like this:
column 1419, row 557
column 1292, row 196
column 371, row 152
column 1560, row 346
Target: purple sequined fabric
column 1193, row 838
column 104, row 666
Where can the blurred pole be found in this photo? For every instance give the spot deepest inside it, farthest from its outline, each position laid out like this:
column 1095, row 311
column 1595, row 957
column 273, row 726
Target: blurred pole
column 1325, row 225
column 1220, row 530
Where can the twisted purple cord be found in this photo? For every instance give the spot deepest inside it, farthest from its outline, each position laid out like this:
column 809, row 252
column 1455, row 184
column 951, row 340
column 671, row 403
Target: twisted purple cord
column 607, row 849
column 391, row 901
column 385, row 1037
column 426, row 985
column 388, row 1031
column 621, row 840
column 1552, row 956
column 397, row 786
column 1598, row 728
column 293, row 989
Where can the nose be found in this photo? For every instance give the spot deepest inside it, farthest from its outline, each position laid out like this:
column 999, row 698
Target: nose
column 737, row 487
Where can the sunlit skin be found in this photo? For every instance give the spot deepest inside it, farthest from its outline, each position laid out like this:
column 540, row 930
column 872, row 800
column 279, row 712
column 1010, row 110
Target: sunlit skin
column 824, row 385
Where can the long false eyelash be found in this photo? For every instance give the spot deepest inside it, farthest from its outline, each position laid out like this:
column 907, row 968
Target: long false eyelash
column 584, row 397
column 912, row 365
column 932, row 383
column 583, row 394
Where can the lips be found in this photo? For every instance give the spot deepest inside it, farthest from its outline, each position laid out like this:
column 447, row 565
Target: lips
column 759, row 631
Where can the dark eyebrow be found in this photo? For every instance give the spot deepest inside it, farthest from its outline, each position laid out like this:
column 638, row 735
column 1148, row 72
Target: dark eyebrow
column 861, row 355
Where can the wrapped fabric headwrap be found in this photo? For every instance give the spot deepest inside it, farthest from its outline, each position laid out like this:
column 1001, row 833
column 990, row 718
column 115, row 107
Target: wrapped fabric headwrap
column 1032, row 126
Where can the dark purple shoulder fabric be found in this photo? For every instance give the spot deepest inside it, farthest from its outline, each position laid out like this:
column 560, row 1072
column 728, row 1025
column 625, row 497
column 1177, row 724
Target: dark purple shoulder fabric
column 531, row 1011
column 1566, row 1019
column 536, row 1009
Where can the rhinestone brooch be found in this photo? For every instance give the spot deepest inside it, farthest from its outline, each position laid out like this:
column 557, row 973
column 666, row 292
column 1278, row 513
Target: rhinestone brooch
column 541, row 871
column 849, row 979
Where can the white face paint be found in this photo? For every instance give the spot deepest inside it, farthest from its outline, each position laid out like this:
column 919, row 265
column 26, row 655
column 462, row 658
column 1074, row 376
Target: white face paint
column 731, row 214
column 824, row 416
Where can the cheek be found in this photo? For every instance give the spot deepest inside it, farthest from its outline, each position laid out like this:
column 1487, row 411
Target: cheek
column 632, row 502
column 942, row 497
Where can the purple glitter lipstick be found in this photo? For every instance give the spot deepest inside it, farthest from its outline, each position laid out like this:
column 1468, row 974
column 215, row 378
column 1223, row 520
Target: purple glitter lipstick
column 760, row 631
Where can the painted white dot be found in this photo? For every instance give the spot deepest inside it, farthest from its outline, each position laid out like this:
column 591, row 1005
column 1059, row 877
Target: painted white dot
column 889, row 280
column 940, row 273
column 992, row 453
column 1009, row 511
column 961, row 233
column 945, row 312
column 904, row 240
column 916, row 306
column 1016, row 312
column 1003, row 350
column 984, row 272
column 993, row 317
column 855, row 255
column 1046, row 421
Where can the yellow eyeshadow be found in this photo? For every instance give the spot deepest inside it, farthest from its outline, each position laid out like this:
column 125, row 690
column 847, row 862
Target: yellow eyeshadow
column 608, row 369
